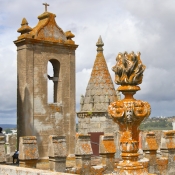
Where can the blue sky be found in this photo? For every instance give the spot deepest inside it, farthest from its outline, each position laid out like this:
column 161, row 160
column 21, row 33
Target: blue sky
column 145, row 26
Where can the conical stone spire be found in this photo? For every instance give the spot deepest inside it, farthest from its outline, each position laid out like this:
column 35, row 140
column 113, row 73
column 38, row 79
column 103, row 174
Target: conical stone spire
column 100, row 91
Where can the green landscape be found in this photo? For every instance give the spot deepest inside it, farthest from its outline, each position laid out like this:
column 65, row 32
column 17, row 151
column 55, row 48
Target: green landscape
column 157, row 124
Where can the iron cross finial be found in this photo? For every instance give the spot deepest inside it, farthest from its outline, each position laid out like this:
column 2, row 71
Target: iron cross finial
column 45, row 6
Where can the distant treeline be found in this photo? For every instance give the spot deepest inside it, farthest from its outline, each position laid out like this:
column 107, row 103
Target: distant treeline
column 158, row 124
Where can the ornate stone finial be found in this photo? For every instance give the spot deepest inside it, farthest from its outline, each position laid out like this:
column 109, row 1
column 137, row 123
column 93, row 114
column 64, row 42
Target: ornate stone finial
column 129, row 112
column 45, row 4
column 69, row 36
column 24, row 22
column 100, row 44
column 128, row 69
column 24, row 27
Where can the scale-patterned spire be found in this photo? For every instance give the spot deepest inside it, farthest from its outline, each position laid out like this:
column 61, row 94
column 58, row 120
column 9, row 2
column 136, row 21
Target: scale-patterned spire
column 100, row 90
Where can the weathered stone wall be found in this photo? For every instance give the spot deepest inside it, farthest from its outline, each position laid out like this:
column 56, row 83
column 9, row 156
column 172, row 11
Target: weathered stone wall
column 99, row 123
column 35, row 115
column 2, row 150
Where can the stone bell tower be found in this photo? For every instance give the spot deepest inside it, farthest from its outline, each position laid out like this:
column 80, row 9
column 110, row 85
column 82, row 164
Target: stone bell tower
column 35, row 48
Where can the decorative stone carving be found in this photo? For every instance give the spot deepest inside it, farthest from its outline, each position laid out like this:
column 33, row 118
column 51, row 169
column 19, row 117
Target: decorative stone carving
column 129, row 69
column 24, row 29
column 69, row 36
column 129, row 112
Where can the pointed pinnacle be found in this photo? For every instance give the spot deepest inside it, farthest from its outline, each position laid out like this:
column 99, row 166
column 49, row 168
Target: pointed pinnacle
column 24, row 22
column 99, row 44
column 24, row 27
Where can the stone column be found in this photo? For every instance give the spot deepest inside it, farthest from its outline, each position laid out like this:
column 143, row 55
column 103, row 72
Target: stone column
column 107, row 151
column 168, row 150
column 150, row 147
column 28, row 151
column 83, row 152
column 2, row 150
column 57, row 153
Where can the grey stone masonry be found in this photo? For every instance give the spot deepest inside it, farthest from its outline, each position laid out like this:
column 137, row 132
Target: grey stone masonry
column 107, row 151
column 83, row 152
column 168, row 150
column 150, row 147
column 57, row 153
column 11, row 146
column 28, row 151
column 2, row 150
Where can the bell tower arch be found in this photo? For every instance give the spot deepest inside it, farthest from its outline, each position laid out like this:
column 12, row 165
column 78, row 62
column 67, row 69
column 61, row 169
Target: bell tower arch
column 35, row 48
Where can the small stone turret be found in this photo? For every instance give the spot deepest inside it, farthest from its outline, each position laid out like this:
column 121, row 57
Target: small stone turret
column 93, row 116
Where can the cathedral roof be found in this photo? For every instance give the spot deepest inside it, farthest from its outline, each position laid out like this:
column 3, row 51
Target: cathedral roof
column 100, row 89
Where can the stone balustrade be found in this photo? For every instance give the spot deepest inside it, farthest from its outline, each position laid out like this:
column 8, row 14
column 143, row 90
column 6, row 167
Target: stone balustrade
column 83, row 152
column 28, row 151
column 2, row 150
column 57, row 153
column 150, row 147
column 168, row 150
column 107, row 151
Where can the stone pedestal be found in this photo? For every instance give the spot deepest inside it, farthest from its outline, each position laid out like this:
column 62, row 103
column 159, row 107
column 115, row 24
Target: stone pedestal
column 28, row 151
column 150, row 147
column 83, row 152
column 57, row 153
column 2, row 149
column 168, row 150
column 107, row 151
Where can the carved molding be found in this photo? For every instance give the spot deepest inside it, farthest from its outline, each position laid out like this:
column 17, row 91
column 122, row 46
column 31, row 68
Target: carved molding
column 129, row 111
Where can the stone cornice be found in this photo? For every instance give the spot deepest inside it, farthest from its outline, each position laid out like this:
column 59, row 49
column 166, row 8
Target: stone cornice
column 91, row 114
column 43, row 42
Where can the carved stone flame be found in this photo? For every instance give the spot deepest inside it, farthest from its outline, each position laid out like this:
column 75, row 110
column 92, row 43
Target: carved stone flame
column 129, row 69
